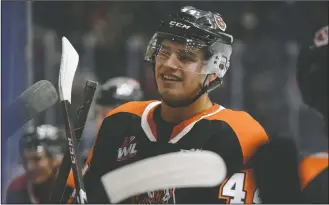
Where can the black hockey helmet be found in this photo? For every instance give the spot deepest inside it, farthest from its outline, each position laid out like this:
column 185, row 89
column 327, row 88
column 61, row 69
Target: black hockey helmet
column 119, row 90
column 44, row 138
column 197, row 29
column 312, row 72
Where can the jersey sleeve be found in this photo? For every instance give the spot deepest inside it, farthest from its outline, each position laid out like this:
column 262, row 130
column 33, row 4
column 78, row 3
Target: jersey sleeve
column 314, row 179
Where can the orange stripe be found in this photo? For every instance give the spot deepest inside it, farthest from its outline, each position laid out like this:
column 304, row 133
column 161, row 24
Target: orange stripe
column 135, row 107
column 249, row 132
column 310, row 167
column 177, row 129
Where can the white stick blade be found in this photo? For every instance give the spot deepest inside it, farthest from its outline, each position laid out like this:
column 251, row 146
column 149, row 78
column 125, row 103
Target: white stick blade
column 69, row 64
column 173, row 170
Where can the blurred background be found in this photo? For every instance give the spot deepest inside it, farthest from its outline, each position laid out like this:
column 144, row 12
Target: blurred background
column 111, row 38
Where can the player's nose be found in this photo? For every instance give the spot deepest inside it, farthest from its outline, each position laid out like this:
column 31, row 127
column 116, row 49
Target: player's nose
column 171, row 62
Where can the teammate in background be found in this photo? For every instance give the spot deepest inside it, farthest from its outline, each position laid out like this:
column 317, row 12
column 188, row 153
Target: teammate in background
column 190, row 53
column 113, row 93
column 312, row 68
column 311, row 184
column 42, row 151
column 312, row 78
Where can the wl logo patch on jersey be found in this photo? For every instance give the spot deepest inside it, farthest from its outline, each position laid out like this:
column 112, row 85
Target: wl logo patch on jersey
column 220, row 23
column 127, row 149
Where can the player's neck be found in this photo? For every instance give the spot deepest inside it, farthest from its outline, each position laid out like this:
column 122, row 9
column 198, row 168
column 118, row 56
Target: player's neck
column 177, row 115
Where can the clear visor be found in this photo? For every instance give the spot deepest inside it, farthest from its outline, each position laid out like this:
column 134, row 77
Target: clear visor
column 185, row 54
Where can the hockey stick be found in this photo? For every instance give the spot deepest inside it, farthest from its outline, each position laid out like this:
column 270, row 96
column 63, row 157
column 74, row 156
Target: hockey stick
column 179, row 170
column 69, row 63
column 82, row 112
column 58, row 192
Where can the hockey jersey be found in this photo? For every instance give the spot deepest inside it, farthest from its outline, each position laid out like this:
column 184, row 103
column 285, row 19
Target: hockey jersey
column 135, row 131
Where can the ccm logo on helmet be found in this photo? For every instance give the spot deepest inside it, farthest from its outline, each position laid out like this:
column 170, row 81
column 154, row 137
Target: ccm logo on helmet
column 180, row 25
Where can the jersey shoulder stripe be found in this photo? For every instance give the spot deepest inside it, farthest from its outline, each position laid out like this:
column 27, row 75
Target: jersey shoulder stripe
column 133, row 107
column 310, row 167
column 248, row 131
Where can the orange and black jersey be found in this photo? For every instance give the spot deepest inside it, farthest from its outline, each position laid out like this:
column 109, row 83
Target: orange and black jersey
column 314, row 178
column 135, row 131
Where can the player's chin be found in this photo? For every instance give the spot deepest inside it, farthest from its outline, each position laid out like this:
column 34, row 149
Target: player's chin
column 172, row 95
column 170, row 92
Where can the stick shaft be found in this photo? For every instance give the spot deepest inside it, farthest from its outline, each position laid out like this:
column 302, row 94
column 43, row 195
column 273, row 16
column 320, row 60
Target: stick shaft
column 59, row 191
column 73, row 152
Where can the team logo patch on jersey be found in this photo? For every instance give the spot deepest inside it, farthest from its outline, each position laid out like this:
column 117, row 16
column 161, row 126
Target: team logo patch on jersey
column 127, row 149
column 220, row 23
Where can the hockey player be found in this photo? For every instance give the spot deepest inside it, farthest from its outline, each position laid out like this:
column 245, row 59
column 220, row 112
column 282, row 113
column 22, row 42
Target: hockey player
column 305, row 181
column 41, row 151
column 312, row 78
column 190, row 53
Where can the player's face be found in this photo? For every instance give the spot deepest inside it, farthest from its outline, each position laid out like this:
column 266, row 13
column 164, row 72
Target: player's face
column 177, row 71
column 38, row 165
